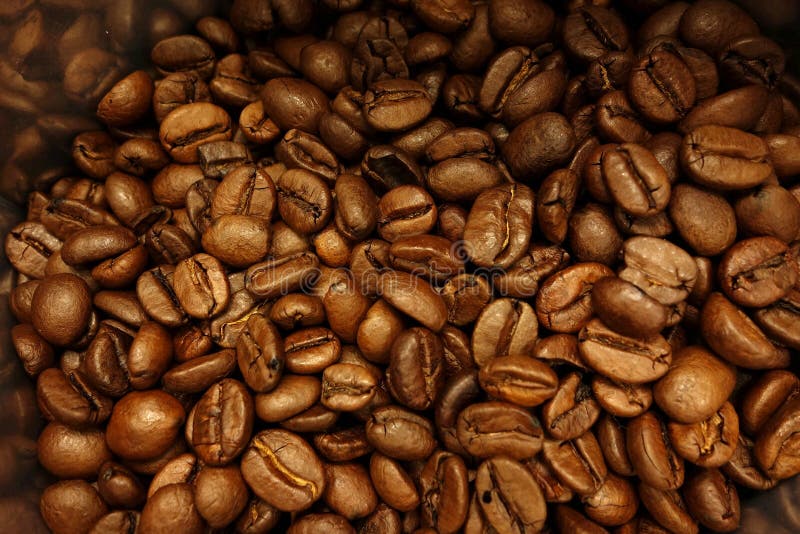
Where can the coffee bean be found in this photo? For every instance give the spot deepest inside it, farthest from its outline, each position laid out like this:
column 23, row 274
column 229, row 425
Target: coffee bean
column 765, row 265
column 508, row 495
column 283, row 470
column 652, row 454
column 259, row 352
column 188, row 127
column 219, row 426
column 400, row 434
column 505, row 327
column 725, row 158
column 144, row 424
column 491, row 428
column 499, row 224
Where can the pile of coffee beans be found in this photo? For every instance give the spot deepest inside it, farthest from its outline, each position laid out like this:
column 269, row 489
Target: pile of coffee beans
column 414, row 266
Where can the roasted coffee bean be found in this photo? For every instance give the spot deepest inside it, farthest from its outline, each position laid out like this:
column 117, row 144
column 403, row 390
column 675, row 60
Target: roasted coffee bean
column 293, row 395
column 347, row 387
column 388, row 167
column 518, row 379
column 770, row 447
column 260, row 354
column 28, row 246
column 414, row 297
column 311, row 350
column 393, row 483
column 667, row 507
column 144, row 424
column 505, row 327
column 272, row 278
column 343, row 445
column 184, row 53
column 572, row 410
column 491, row 428
column 509, row 497
column 497, row 231
column 156, row 294
column 735, row 337
column 662, row 87
column 199, row 373
column 400, row 434
column 725, row 158
column 578, row 463
column 758, row 271
column 690, row 210
column 105, row 362
column 188, row 127
column 652, row 454
column 405, row 211
column 659, row 268
column 713, row 500
column 709, row 443
column 34, row 352
column 304, row 200
column 69, row 399
column 620, row 398
column 61, row 309
column 220, row 424
column 627, row 309
column 201, row 286
column 539, row 144
column 395, row 105
column 459, row 391
column 622, row 358
column 564, row 301
column 635, row 180
column 283, row 470
column 591, row 31
column 444, row 486
column 75, row 503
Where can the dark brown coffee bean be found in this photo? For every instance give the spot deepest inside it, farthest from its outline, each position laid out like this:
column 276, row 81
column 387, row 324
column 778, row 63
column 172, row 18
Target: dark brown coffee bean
column 709, row 443
column 627, row 309
column 199, row 373
column 184, row 53
column 591, row 31
column 272, row 278
column 405, row 211
column 497, row 232
column 758, row 271
column 734, row 336
column 144, row 424
column 69, row 399
column 281, row 468
column 293, row 395
column 201, row 286
column 304, row 200
column 395, row 105
column 400, row 434
column 509, row 497
column 518, row 379
column 394, row 485
column 70, row 453
column 713, row 500
column 356, row 207
column 652, row 454
column 416, row 372
column 120, row 487
column 71, row 505
column 770, row 448
column 347, row 387
column 444, row 486
column 578, row 463
column 623, row 358
column 752, row 59
column 725, row 158
column 691, row 208
column 178, row 89
column 28, row 246
column 538, row 144
column 667, row 507
column 635, row 180
column 414, row 297
column 61, row 307
column 743, row 468
column 492, row 428
column 34, row 352
column 191, row 125
column 668, row 279
column 172, row 508
column 617, row 121
column 156, row 294
column 505, row 327
column 564, row 301
column 662, row 87
column 219, row 426
column 620, row 398
column 572, row 410
column 294, row 103
column 259, row 352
